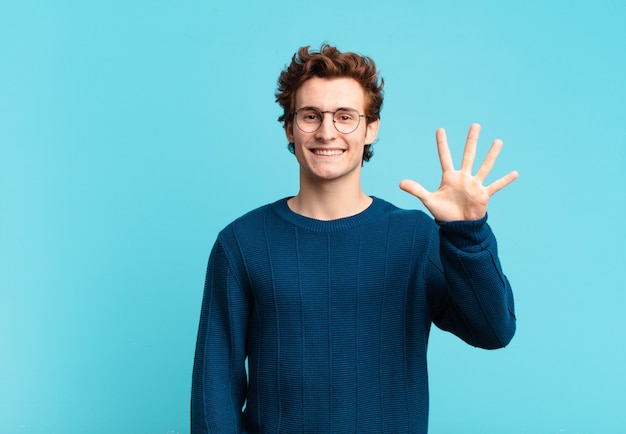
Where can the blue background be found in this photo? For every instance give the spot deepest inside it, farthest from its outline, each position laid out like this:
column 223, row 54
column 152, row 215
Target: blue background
column 131, row 132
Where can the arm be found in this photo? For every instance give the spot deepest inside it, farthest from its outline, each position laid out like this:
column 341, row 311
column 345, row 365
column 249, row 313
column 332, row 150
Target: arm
column 219, row 377
column 470, row 295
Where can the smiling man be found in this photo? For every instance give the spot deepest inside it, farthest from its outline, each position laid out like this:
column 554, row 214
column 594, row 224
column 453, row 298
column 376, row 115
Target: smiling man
column 329, row 132
column 330, row 294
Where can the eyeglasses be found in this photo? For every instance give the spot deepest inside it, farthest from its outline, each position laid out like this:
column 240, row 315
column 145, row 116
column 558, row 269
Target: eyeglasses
column 345, row 120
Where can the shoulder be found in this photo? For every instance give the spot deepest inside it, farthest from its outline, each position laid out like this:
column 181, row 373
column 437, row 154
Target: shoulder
column 252, row 224
column 391, row 211
column 403, row 225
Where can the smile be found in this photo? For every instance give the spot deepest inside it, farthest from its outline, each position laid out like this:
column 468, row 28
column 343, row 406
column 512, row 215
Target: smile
column 328, row 152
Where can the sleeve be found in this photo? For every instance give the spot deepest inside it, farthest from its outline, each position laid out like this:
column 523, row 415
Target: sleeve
column 219, row 378
column 468, row 293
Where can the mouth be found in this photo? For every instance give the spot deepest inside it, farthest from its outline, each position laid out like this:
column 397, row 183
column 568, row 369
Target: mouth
column 328, row 152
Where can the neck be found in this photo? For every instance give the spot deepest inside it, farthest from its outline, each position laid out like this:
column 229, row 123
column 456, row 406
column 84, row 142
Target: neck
column 329, row 202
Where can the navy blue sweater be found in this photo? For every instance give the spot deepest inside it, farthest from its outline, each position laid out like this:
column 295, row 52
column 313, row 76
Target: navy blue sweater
column 334, row 318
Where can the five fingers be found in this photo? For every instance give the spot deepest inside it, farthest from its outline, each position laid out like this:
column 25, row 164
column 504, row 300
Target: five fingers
column 469, row 155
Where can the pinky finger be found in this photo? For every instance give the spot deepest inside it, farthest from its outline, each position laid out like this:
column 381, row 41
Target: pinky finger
column 498, row 185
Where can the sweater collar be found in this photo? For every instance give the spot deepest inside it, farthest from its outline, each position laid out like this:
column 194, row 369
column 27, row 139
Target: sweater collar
column 375, row 209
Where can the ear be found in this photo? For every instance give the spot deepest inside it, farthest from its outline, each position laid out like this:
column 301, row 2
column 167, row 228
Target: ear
column 371, row 131
column 289, row 131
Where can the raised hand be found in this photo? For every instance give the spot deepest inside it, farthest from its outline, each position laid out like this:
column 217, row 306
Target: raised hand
column 461, row 195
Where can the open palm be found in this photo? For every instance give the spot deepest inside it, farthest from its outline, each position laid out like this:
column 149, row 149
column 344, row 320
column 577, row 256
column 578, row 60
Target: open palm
column 461, row 195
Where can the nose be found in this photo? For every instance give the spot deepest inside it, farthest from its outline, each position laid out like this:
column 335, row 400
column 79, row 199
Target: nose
column 327, row 130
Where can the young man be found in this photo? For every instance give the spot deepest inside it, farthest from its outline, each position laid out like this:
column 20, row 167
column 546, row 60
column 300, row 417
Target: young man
column 330, row 294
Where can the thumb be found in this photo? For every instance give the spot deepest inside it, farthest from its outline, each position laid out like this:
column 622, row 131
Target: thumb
column 414, row 188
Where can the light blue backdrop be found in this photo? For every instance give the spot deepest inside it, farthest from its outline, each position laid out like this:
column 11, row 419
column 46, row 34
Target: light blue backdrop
column 132, row 131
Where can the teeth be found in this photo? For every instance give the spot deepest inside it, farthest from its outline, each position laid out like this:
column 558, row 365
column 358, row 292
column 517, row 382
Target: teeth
column 328, row 152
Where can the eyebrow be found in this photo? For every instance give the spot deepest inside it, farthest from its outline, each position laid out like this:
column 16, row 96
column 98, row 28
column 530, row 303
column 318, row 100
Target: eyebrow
column 310, row 107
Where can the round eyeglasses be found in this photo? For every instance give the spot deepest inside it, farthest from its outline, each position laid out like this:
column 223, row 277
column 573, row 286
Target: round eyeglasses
column 345, row 120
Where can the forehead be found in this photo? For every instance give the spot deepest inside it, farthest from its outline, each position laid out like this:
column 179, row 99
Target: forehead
column 331, row 93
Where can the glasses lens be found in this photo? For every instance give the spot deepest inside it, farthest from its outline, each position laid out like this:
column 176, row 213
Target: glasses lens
column 346, row 120
column 308, row 120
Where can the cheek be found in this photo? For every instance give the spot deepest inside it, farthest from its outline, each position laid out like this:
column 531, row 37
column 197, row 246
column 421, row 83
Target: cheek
column 296, row 136
column 298, row 153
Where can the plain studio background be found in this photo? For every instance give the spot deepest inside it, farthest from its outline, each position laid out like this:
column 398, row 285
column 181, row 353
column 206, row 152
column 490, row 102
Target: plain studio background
column 131, row 132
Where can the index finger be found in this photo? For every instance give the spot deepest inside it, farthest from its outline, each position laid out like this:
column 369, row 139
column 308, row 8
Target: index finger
column 445, row 158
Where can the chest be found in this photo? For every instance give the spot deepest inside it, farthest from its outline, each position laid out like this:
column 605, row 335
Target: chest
column 346, row 274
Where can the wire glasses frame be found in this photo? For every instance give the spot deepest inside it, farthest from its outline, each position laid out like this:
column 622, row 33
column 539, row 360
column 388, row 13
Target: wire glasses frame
column 345, row 120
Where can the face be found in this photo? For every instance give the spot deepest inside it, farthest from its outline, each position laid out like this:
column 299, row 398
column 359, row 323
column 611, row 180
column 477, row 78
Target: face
column 326, row 154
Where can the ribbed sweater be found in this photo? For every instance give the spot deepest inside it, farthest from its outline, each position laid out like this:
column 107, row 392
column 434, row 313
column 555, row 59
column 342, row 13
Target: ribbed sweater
column 334, row 318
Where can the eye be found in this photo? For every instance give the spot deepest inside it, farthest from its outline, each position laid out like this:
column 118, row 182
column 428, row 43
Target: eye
column 310, row 116
column 345, row 116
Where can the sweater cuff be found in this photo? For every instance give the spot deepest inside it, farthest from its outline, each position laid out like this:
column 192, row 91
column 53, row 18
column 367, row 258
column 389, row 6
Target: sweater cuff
column 464, row 234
